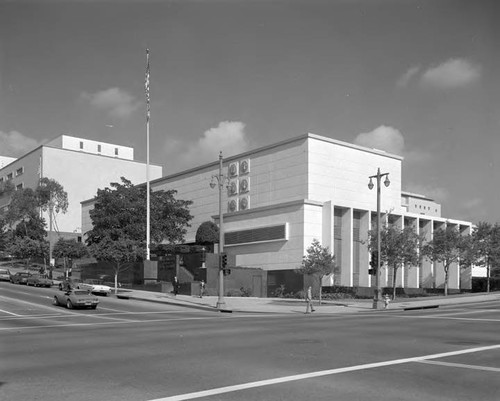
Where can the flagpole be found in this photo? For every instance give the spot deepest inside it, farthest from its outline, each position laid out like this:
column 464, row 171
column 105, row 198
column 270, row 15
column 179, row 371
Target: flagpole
column 148, row 114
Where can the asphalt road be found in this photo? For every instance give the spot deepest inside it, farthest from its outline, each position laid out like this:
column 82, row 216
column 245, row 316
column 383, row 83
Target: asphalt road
column 133, row 350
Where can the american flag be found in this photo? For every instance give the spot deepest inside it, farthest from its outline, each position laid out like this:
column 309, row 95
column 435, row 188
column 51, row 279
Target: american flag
column 146, row 86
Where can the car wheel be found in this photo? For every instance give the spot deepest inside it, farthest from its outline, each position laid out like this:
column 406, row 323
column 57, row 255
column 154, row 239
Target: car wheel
column 55, row 301
column 94, row 306
column 69, row 304
column 60, row 287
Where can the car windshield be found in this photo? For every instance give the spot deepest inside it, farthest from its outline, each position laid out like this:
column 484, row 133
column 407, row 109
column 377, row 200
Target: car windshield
column 3, row 271
column 80, row 292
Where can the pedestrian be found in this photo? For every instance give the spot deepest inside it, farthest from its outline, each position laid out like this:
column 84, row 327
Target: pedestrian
column 309, row 304
column 202, row 288
column 176, row 285
column 387, row 299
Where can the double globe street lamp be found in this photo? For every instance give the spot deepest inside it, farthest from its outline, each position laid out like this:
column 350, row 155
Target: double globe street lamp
column 377, row 299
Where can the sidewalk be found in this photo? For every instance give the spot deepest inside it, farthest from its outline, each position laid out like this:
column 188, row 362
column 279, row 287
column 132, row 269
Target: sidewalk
column 283, row 305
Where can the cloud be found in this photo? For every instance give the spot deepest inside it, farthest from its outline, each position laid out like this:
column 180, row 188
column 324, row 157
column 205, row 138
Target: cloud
column 453, row 73
column 114, row 101
column 391, row 140
column 228, row 137
column 405, row 79
column 15, row 144
column 384, row 138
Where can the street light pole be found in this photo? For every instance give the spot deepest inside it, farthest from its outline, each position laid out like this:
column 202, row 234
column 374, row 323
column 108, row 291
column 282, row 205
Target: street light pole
column 221, row 304
column 377, row 299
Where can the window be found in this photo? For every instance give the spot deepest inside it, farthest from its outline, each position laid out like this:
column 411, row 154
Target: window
column 9, row 176
column 19, row 186
column 19, row 171
column 116, row 151
column 81, row 144
column 1, row 179
column 98, row 148
column 263, row 234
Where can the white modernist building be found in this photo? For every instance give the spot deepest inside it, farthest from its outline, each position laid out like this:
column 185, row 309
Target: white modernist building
column 281, row 197
column 81, row 166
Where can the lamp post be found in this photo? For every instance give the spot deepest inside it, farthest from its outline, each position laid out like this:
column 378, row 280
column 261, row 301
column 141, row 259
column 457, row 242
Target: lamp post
column 221, row 304
column 377, row 300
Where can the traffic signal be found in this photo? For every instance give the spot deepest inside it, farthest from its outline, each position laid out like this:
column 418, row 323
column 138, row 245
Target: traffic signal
column 224, row 260
column 226, row 272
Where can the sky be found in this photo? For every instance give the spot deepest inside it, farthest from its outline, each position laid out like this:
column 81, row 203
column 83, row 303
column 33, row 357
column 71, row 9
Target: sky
column 420, row 79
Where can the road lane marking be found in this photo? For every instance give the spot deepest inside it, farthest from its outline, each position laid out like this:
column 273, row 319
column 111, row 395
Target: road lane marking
column 461, row 365
column 285, row 379
column 9, row 313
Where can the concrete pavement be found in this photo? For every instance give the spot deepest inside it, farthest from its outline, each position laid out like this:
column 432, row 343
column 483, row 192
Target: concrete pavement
column 284, row 305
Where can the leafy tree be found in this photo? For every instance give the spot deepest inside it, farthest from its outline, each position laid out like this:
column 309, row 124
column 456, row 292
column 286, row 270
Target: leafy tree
column 318, row 262
column 120, row 213
column 23, row 207
column 447, row 246
column 33, row 227
column 27, row 248
column 207, row 234
column 69, row 249
column 486, row 248
column 51, row 196
column 398, row 247
column 121, row 253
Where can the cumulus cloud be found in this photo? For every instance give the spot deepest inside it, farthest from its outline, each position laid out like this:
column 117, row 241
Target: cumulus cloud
column 15, row 144
column 391, row 140
column 228, row 137
column 384, row 138
column 114, row 101
column 452, row 74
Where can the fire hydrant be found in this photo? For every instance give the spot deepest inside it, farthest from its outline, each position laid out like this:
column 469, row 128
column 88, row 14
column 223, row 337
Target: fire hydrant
column 387, row 299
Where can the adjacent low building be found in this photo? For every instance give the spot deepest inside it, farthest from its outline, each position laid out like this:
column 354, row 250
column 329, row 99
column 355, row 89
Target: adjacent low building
column 81, row 166
column 279, row 198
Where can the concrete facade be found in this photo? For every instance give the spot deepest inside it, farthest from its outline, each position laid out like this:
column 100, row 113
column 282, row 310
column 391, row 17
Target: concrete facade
column 281, row 197
column 80, row 169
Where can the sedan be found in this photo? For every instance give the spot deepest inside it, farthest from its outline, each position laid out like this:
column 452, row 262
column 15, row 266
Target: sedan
column 20, row 278
column 39, row 280
column 75, row 299
column 95, row 287
column 4, row 274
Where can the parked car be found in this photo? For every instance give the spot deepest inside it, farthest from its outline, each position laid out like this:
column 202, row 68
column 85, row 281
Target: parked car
column 95, row 287
column 4, row 275
column 39, row 280
column 75, row 298
column 20, row 278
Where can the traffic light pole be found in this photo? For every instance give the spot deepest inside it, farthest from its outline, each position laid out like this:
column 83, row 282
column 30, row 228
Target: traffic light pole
column 221, row 303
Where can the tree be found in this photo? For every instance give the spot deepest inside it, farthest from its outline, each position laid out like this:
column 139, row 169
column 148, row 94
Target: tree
column 23, row 207
column 120, row 252
column 318, row 262
column 27, row 248
column 207, row 234
column 120, row 213
column 69, row 249
column 447, row 246
column 398, row 247
column 486, row 248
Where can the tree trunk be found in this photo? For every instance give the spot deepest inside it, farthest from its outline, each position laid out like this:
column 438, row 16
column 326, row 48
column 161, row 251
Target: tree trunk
column 320, row 292
column 488, row 274
column 446, row 282
column 394, row 275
